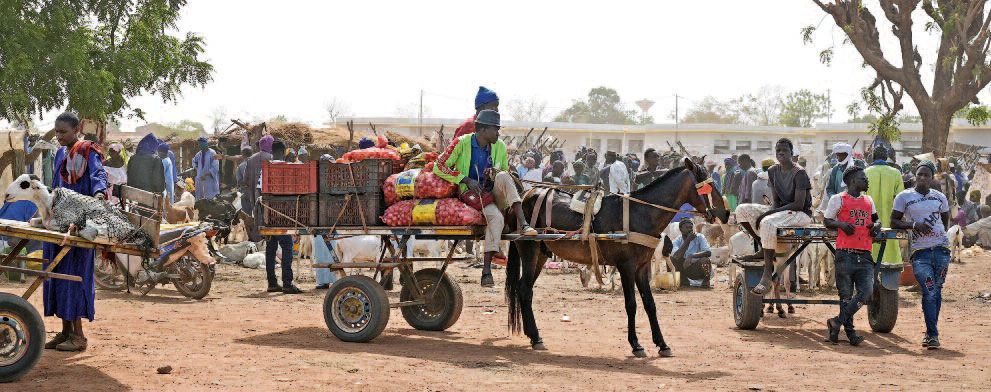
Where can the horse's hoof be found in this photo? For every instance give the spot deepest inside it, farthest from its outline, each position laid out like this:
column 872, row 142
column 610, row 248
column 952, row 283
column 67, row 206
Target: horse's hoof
column 539, row 346
column 665, row 352
column 640, row 353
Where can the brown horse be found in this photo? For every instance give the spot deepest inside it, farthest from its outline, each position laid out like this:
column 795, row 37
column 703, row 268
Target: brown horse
column 526, row 258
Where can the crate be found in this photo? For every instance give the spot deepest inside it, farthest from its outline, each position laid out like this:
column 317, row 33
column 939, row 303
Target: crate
column 280, row 178
column 372, row 206
column 300, row 209
column 369, row 174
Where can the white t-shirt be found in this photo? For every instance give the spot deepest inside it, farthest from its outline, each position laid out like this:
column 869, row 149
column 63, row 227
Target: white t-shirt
column 926, row 209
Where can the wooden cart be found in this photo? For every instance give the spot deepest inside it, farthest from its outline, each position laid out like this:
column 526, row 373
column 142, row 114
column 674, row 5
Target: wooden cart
column 356, row 307
column 22, row 330
column 882, row 311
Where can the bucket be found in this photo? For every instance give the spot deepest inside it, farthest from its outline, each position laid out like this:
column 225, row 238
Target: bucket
column 667, row 280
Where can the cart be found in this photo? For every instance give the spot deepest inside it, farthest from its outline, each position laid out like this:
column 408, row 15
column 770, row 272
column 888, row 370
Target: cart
column 882, row 311
column 356, row 308
column 22, row 330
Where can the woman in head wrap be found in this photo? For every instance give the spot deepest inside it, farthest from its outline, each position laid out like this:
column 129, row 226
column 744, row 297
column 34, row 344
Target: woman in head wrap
column 145, row 170
column 207, row 171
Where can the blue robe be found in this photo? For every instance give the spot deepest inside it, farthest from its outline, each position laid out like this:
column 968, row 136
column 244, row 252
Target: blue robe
column 207, row 174
column 66, row 299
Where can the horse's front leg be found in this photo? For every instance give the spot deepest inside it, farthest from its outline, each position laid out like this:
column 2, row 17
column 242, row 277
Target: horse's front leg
column 626, row 270
column 643, row 285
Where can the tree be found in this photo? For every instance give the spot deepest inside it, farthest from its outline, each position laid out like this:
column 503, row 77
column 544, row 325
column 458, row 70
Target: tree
column 218, row 118
column 960, row 69
column 337, row 108
column 712, row 111
column 761, row 109
column 603, row 106
column 527, row 110
column 92, row 56
column 801, row 108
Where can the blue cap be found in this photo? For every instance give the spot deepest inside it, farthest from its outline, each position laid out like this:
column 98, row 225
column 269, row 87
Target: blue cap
column 484, row 96
column 488, row 117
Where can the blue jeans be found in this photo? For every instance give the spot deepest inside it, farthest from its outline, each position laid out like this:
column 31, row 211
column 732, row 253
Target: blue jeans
column 273, row 244
column 929, row 266
column 853, row 270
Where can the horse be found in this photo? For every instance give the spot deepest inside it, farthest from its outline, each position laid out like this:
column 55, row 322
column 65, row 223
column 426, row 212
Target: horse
column 688, row 184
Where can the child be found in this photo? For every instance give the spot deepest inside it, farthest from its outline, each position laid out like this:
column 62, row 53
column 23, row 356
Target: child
column 853, row 215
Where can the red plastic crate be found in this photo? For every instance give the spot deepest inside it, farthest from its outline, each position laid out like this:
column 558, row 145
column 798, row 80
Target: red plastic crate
column 293, row 211
column 280, row 178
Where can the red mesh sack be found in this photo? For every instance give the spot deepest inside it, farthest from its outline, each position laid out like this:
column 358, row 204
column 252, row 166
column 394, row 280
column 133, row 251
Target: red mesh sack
column 432, row 212
column 416, row 184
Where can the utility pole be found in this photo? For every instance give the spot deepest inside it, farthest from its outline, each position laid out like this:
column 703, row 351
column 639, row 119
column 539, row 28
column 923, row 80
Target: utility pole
column 829, row 106
column 676, row 117
column 419, row 121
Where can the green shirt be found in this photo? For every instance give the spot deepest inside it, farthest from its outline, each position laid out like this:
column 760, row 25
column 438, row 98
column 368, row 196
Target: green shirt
column 454, row 163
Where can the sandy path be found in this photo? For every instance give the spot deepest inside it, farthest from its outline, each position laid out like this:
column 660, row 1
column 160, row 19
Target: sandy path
column 240, row 338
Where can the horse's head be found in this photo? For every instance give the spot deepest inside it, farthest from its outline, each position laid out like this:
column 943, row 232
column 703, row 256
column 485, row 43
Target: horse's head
column 707, row 199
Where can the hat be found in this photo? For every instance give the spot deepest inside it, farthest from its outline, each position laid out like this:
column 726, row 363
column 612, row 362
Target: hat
column 164, row 147
column 767, row 163
column 484, row 96
column 265, row 144
column 488, row 117
column 202, row 139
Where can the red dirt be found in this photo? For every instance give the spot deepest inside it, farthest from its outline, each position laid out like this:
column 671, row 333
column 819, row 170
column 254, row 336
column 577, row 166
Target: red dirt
column 240, row 338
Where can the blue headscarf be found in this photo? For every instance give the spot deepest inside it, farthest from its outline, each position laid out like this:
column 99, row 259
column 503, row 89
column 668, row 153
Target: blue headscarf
column 164, row 147
column 148, row 144
column 484, row 96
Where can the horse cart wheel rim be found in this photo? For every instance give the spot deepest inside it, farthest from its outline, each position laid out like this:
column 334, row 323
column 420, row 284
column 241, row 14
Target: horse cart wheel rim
column 352, row 310
column 14, row 339
column 435, row 306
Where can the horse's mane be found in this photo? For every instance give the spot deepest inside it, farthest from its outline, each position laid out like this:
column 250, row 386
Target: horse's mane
column 649, row 187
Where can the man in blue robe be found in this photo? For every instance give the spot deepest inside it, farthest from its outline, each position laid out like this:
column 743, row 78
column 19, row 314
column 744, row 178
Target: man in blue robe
column 207, row 171
column 79, row 167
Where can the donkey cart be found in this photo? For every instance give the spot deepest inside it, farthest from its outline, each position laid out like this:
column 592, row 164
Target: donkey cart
column 882, row 310
column 356, row 307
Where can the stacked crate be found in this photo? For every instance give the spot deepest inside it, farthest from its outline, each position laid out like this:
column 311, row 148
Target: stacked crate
column 290, row 192
column 352, row 191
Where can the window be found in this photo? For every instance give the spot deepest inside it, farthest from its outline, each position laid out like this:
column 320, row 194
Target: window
column 634, row 147
column 743, row 146
column 911, row 147
column 764, row 146
column 614, row 145
column 595, row 144
column 720, row 147
column 827, row 145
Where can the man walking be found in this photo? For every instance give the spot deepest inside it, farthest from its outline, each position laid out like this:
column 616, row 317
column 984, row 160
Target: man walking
column 853, row 215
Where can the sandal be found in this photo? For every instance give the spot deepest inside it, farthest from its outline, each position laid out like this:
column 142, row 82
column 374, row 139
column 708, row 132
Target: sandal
column 527, row 230
column 75, row 343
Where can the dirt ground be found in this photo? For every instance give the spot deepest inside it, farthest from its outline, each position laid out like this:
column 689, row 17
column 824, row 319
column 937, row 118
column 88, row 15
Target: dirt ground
column 241, row 338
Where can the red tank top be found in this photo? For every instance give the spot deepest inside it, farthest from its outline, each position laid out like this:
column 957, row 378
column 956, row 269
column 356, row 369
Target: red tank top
column 856, row 211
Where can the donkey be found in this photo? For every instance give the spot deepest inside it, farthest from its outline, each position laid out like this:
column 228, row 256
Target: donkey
column 526, row 258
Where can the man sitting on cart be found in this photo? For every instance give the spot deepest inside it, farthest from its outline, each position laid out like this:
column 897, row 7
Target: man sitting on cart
column 790, row 187
column 853, row 215
column 466, row 162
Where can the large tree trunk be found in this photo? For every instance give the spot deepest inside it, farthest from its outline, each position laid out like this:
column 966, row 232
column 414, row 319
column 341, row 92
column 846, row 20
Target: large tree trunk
column 935, row 129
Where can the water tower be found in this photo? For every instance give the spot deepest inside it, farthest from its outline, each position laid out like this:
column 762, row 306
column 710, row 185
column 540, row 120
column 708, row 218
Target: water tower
column 645, row 105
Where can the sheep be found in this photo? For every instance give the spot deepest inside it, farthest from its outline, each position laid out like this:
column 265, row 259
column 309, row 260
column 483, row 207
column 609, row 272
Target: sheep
column 64, row 210
column 254, row 260
column 955, row 235
column 237, row 252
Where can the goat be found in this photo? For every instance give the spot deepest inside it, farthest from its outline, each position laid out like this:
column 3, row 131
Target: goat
column 955, row 235
column 237, row 252
column 177, row 214
column 254, row 260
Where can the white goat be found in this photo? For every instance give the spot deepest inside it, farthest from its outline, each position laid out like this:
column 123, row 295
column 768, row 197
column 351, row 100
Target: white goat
column 255, row 260
column 955, row 235
column 237, row 252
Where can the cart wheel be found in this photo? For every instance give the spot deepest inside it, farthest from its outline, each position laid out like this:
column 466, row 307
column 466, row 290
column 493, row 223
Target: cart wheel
column 882, row 312
column 194, row 279
column 356, row 309
column 746, row 305
column 22, row 337
column 441, row 311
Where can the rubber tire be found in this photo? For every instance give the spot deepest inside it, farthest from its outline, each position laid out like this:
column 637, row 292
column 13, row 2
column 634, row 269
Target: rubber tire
column 747, row 314
column 449, row 292
column 207, row 273
column 99, row 282
column 379, row 302
column 35, row 326
column 882, row 311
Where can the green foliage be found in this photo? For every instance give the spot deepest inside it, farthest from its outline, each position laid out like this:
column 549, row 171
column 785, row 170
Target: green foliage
column 92, row 56
column 602, row 106
column 975, row 114
column 801, row 108
column 712, row 111
column 867, row 118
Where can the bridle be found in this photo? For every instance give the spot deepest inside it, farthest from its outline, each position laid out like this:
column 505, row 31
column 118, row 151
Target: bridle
column 704, row 190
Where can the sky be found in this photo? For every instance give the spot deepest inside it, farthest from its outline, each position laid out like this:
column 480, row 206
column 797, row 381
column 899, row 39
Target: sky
column 294, row 57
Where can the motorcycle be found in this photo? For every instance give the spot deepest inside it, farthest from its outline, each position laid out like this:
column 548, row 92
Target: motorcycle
column 186, row 260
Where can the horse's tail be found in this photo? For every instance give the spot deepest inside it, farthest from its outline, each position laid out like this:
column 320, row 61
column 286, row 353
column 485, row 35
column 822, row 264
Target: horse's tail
column 513, row 271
